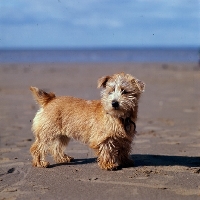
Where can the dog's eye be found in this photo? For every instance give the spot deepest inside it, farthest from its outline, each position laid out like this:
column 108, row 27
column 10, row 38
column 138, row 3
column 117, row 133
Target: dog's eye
column 124, row 92
column 111, row 90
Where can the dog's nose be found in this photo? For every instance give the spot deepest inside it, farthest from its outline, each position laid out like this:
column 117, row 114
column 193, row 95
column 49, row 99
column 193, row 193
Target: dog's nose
column 115, row 104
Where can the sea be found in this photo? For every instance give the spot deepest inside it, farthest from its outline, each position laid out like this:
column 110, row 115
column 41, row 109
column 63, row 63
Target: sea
column 101, row 55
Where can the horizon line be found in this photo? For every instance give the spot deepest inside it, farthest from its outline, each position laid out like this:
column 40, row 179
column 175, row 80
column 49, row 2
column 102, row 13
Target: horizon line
column 98, row 48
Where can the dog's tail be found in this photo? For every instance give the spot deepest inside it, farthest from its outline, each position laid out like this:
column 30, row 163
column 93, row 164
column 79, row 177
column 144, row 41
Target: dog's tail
column 42, row 97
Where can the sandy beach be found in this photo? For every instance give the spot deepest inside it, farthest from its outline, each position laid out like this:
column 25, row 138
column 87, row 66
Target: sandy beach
column 166, row 149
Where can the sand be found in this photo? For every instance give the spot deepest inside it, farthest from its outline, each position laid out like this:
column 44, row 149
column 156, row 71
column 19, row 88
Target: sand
column 166, row 149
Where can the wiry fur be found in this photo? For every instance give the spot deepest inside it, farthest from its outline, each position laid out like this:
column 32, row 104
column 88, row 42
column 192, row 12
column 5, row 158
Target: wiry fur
column 95, row 123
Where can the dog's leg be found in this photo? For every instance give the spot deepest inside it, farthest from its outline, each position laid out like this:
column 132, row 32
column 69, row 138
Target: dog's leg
column 57, row 149
column 112, row 154
column 38, row 152
column 124, row 153
column 124, row 159
column 108, row 155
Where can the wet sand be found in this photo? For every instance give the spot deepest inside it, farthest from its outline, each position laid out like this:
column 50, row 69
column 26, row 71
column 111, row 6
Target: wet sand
column 166, row 149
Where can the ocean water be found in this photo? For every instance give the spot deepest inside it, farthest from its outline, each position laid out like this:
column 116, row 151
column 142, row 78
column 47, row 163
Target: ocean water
column 141, row 55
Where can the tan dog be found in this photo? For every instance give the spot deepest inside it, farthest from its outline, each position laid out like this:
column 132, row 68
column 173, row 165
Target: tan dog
column 106, row 125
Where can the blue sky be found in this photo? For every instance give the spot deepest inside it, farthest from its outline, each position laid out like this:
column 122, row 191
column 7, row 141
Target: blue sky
column 99, row 23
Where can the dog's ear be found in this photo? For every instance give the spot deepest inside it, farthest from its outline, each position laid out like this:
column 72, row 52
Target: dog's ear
column 102, row 81
column 139, row 84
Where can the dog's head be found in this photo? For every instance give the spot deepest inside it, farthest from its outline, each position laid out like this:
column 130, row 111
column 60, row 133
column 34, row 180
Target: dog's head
column 120, row 93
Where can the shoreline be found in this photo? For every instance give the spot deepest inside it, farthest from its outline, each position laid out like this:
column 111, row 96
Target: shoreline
column 150, row 54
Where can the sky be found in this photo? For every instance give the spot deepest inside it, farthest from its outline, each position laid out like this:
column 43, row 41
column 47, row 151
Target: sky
column 99, row 23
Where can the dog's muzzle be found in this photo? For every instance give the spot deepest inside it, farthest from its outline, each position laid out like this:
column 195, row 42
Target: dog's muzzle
column 115, row 104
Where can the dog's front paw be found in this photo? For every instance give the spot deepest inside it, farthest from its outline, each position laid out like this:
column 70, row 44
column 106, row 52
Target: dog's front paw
column 109, row 166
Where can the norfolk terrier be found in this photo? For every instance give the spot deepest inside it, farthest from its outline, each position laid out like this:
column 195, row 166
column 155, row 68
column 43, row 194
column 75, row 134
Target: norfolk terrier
column 106, row 125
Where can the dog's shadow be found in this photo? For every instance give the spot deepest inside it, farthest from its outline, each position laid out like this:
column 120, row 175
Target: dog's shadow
column 165, row 160
column 76, row 162
column 147, row 160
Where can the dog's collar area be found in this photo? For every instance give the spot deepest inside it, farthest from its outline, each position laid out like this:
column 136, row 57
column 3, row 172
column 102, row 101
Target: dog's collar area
column 127, row 124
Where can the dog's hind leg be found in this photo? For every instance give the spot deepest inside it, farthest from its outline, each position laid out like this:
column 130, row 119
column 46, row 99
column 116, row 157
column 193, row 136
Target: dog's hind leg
column 57, row 149
column 38, row 151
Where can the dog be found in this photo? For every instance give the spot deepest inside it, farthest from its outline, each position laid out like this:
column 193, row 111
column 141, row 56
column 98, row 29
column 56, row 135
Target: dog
column 106, row 125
